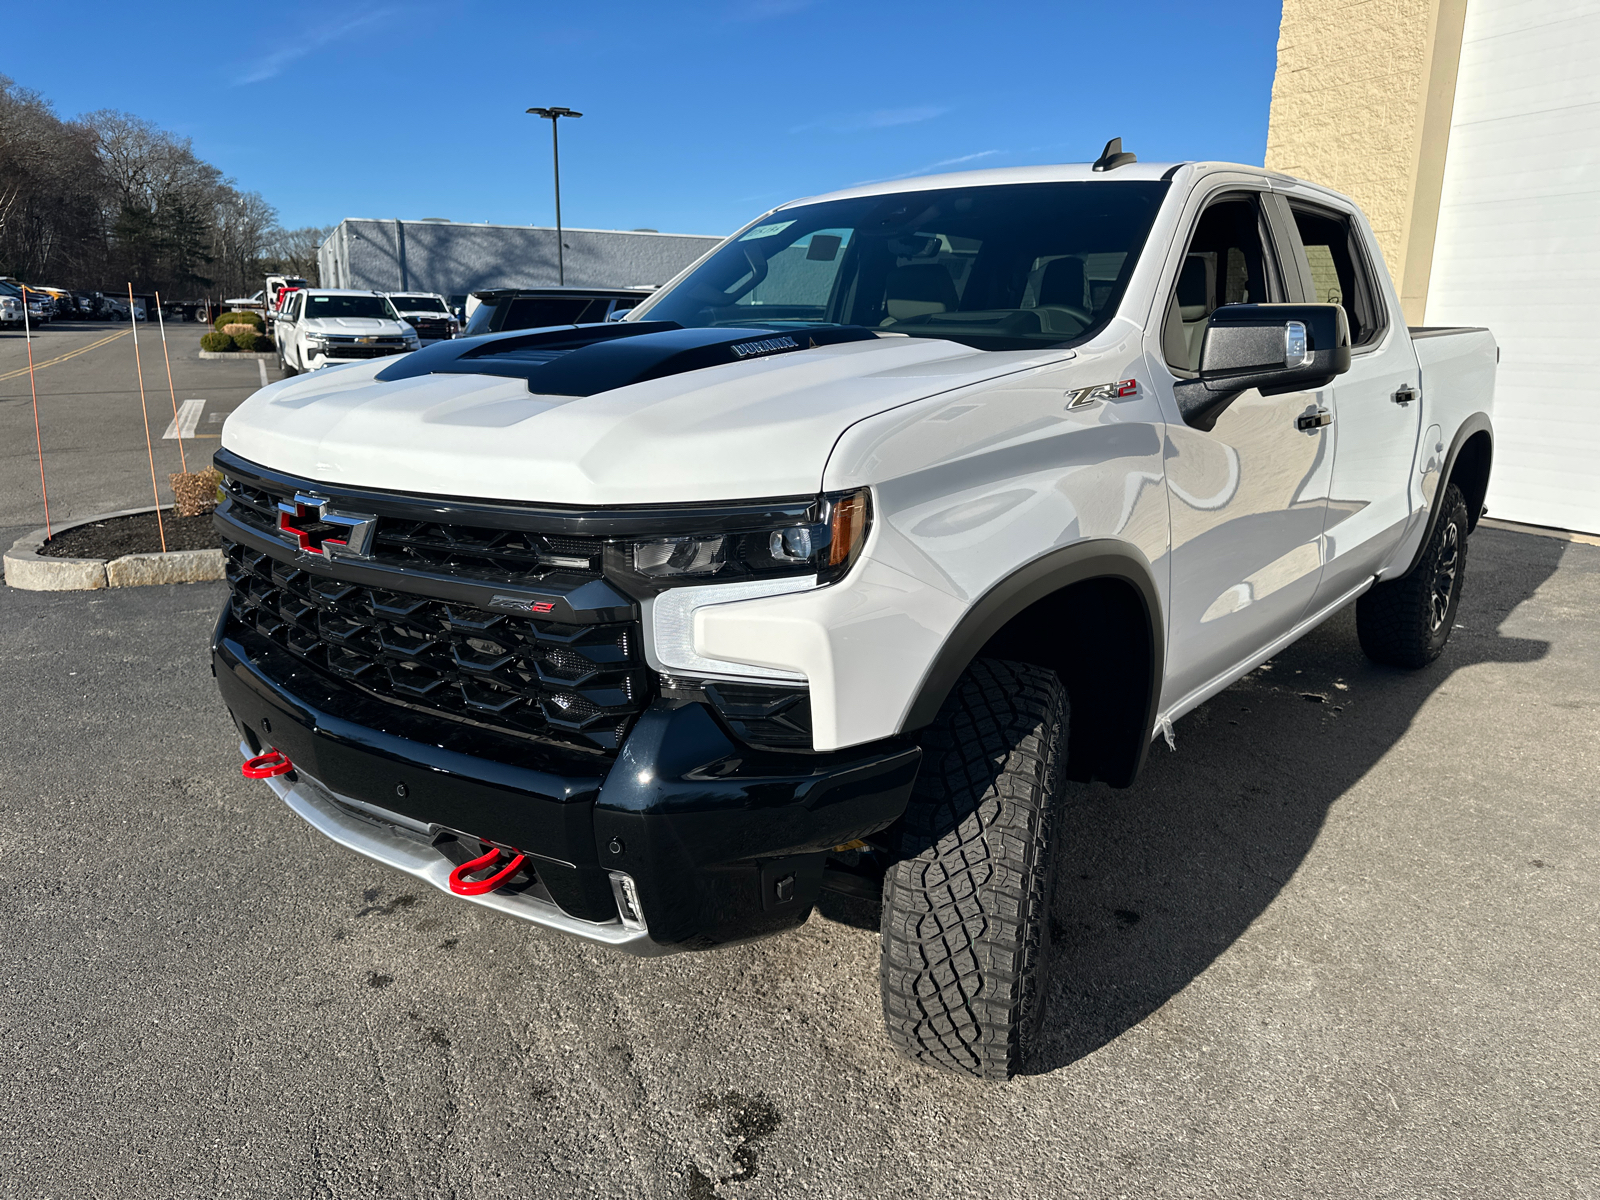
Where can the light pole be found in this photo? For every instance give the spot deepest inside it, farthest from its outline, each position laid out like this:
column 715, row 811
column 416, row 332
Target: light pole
column 554, row 115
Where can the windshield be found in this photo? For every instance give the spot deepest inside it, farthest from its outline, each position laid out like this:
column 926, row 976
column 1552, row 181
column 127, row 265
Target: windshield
column 419, row 303
column 318, row 307
column 1006, row 267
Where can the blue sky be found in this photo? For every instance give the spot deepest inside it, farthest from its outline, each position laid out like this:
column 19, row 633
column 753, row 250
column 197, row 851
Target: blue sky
column 697, row 116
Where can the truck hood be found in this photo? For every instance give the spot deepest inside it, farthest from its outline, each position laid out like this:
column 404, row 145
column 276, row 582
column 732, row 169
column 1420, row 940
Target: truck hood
column 761, row 427
column 380, row 326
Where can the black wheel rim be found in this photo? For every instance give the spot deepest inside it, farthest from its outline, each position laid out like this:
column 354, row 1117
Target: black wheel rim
column 1444, row 575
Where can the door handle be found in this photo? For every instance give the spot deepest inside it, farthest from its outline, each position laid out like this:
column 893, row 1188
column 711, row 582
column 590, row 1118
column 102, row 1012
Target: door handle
column 1314, row 420
column 1405, row 394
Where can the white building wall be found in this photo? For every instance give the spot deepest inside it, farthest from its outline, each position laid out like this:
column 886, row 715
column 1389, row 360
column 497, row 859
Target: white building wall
column 1518, row 246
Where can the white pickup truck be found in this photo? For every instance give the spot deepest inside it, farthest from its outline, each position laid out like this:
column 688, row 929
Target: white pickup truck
column 836, row 560
column 328, row 327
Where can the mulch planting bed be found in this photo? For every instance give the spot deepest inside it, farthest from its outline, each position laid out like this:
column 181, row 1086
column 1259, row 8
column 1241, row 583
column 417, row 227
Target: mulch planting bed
column 132, row 535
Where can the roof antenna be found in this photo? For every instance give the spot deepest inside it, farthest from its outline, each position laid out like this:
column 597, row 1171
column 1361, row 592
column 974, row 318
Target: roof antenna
column 1113, row 157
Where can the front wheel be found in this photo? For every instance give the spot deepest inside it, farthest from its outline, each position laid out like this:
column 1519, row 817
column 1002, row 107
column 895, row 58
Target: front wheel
column 966, row 905
column 1407, row 621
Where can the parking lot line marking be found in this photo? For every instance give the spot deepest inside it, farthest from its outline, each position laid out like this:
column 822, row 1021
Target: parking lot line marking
column 188, row 417
column 261, row 364
column 61, row 358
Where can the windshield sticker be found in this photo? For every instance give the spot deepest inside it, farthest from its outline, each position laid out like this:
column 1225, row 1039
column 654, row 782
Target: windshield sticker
column 764, row 231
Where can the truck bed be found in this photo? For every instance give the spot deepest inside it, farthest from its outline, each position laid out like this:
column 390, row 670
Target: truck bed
column 1458, row 370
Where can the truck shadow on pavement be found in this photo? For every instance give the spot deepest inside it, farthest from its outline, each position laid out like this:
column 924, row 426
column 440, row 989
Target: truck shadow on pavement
column 1155, row 882
column 1159, row 880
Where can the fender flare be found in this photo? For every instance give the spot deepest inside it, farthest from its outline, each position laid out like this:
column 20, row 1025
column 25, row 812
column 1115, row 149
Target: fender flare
column 1477, row 423
column 1081, row 562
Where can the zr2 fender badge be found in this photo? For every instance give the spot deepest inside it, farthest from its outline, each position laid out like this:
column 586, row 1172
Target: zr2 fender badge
column 1078, row 397
column 517, row 604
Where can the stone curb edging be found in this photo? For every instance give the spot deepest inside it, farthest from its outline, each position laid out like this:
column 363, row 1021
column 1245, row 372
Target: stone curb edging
column 31, row 571
column 258, row 355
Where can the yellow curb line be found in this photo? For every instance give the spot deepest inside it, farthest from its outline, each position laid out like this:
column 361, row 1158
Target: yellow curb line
column 63, row 357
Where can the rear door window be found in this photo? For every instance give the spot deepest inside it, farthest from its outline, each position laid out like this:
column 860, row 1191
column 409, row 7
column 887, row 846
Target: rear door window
column 1339, row 273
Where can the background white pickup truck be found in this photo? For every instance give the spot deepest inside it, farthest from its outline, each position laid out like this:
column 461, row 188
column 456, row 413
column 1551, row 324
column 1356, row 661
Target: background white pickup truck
column 325, row 327
column 427, row 313
column 836, row 558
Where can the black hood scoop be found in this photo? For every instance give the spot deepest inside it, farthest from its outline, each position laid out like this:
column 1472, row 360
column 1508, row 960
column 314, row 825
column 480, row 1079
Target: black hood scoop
column 585, row 360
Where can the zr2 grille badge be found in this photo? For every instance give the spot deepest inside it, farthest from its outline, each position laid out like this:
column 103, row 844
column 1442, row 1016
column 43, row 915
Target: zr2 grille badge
column 313, row 528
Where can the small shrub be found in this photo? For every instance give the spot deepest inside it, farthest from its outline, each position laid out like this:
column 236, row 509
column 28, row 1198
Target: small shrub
column 196, row 492
column 216, row 341
column 249, row 340
column 237, row 318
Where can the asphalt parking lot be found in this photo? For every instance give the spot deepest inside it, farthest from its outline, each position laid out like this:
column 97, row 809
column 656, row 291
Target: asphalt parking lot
column 1340, row 943
column 1338, row 946
column 90, row 420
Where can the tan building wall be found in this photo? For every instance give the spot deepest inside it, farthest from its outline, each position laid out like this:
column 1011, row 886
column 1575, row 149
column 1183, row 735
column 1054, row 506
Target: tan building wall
column 1361, row 103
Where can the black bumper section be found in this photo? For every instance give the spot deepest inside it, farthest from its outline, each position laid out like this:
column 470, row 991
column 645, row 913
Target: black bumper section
column 724, row 843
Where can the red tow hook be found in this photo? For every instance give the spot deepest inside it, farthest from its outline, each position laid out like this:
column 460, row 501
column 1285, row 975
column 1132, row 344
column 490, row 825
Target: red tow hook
column 266, row 766
column 462, row 886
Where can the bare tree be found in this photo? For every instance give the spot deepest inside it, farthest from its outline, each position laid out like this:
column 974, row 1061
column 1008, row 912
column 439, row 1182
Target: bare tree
column 245, row 225
column 294, row 251
column 50, row 182
column 111, row 198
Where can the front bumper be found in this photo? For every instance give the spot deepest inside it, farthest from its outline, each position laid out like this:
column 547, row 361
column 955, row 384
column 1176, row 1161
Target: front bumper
column 409, row 846
column 723, row 843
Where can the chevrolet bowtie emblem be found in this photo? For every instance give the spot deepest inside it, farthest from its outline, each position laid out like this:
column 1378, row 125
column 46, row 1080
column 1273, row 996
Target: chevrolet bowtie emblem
column 314, row 528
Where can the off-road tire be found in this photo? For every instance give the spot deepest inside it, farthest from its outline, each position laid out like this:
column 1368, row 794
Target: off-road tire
column 966, row 905
column 1407, row 621
column 283, row 364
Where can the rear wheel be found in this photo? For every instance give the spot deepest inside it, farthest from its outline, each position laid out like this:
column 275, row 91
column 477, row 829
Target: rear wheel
column 1407, row 621
column 966, row 931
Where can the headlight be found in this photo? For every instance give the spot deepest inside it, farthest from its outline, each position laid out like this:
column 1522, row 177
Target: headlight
column 825, row 541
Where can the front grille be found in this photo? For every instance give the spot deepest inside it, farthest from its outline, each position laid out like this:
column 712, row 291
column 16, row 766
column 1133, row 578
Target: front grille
column 431, row 327
column 337, row 351
column 578, row 685
column 463, row 551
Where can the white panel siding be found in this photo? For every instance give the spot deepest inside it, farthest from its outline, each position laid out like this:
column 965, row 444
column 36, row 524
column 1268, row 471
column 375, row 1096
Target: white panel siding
column 1518, row 247
column 454, row 259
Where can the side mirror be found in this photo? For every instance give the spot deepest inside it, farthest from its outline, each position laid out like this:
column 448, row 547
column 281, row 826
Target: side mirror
column 1274, row 348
